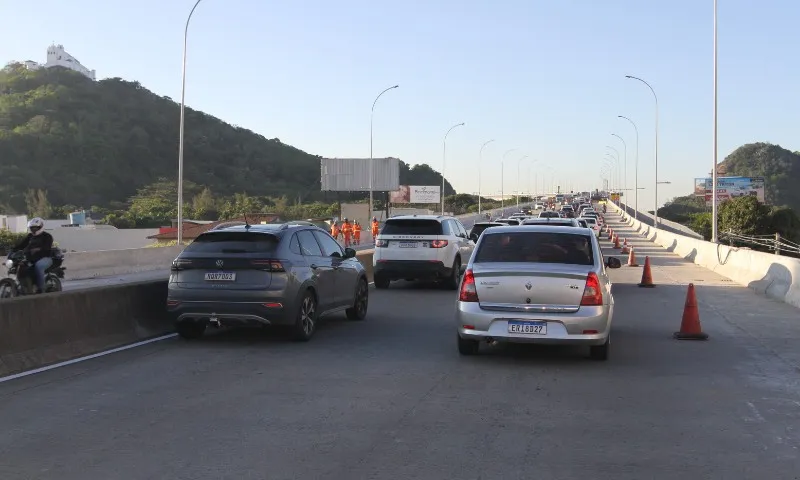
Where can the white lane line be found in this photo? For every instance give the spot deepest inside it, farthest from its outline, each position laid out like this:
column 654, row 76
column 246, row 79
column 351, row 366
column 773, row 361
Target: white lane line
column 83, row 359
column 89, row 357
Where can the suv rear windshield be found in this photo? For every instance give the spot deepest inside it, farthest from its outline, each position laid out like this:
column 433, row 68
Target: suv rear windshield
column 412, row 227
column 233, row 242
column 535, row 247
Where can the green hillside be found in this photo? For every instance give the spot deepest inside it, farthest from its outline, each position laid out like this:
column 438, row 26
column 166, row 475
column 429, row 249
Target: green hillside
column 779, row 166
column 89, row 143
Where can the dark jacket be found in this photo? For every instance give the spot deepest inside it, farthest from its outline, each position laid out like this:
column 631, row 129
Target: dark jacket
column 36, row 247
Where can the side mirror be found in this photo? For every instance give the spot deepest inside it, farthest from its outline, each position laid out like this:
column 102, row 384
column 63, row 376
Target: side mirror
column 350, row 253
column 474, row 237
column 613, row 262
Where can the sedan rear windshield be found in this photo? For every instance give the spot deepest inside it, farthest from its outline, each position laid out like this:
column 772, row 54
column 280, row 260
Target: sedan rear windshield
column 234, row 242
column 412, row 227
column 535, row 247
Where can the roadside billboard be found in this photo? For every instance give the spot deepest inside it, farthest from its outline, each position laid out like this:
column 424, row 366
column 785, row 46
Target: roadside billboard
column 352, row 174
column 416, row 194
column 733, row 187
column 700, row 187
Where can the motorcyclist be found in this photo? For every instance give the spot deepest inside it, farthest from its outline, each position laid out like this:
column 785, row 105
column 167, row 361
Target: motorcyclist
column 38, row 249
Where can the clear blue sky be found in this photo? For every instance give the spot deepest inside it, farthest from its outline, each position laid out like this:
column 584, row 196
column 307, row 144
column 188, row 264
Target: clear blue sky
column 544, row 77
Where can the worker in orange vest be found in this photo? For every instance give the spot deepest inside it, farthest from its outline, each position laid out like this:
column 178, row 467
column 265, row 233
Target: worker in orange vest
column 347, row 230
column 375, row 228
column 334, row 229
column 356, row 232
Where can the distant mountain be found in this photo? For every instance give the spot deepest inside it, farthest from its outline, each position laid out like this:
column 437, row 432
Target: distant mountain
column 96, row 143
column 779, row 166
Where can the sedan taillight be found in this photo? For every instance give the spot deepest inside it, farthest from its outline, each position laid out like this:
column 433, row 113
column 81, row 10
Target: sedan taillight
column 592, row 294
column 438, row 243
column 469, row 291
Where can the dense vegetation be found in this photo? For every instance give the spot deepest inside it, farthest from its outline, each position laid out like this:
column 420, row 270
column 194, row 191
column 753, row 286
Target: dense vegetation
column 745, row 215
column 111, row 146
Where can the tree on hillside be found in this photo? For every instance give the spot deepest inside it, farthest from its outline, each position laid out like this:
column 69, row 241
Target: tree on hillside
column 779, row 167
column 205, row 206
column 682, row 209
column 744, row 216
column 37, row 203
column 423, row 175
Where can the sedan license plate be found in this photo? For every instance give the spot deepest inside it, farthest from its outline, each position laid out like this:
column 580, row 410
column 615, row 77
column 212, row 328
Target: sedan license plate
column 220, row 277
column 528, row 328
column 408, row 244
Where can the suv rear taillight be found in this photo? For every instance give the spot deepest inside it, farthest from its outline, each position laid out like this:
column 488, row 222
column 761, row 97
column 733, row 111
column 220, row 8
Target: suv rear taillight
column 592, row 295
column 269, row 265
column 381, row 243
column 469, row 292
column 438, row 243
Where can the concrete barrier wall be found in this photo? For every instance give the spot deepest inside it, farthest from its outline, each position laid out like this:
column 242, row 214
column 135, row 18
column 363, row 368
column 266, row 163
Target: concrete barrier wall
column 667, row 225
column 38, row 331
column 102, row 263
column 775, row 276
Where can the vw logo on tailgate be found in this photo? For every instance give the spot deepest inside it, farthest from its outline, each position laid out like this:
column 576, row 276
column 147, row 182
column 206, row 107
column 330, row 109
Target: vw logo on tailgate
column 220, row 263
column 528, row 286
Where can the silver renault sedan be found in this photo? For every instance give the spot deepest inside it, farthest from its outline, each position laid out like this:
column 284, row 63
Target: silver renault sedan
column 537, row 284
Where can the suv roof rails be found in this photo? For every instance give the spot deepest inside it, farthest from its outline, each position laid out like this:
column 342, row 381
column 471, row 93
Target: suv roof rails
column 297, row 223
column 234, row 223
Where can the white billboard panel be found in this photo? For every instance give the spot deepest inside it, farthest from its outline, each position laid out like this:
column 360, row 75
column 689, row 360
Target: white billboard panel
column 352, row 174
column 732, row 187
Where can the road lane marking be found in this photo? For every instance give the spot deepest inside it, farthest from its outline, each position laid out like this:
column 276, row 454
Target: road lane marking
column 83, row 359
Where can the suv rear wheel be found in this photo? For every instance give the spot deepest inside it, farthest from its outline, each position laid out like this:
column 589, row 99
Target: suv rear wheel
column 306, row 322
column 455, row 275
column 359, row 309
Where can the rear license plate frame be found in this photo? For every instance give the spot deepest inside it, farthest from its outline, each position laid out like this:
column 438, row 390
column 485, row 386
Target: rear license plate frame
column 220, row 277
column 527, row 327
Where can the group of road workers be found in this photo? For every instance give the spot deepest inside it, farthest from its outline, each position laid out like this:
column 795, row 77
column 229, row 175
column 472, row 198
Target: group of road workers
column 350, row 232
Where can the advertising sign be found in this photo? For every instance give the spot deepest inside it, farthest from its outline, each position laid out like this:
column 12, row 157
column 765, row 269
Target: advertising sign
column 733, row 187
column 700, row 186
column 416, row 194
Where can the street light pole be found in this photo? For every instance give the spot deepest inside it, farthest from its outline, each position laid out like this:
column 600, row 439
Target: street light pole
column 444, row 157
column 502, row 179
column 480, row 161
column 619, row 170
column 519, row 162
column 624, row 164
column 714, row 220
column 636, row 171
column 371, row 175
column 181, row 128
column 655, row 211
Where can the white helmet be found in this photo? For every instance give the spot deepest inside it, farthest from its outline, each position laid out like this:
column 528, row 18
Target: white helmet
column 36, row 225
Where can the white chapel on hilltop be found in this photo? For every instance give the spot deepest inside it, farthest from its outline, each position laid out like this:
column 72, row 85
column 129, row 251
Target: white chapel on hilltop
column 58, row 57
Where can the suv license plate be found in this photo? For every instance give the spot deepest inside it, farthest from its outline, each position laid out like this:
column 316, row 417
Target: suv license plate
column 528, row 328
column 220, row 277
column 408, row 244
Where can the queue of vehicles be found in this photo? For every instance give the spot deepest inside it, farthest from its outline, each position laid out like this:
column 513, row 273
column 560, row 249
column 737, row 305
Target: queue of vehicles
column 529, row 278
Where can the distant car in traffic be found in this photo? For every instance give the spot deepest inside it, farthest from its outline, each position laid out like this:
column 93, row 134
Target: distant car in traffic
column 264, row 275
column 549, row 214
column 478, row 228
column 421, row 247
column 536, row 284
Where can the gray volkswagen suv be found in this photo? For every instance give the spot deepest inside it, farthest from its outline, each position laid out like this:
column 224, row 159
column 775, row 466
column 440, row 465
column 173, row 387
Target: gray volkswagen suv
column 264, row 275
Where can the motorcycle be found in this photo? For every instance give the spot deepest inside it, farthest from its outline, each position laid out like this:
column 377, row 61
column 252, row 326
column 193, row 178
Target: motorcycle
column 20, row 280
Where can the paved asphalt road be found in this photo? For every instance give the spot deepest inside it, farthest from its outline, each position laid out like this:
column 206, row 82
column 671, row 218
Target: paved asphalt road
column 467, row 220
column 390, row 398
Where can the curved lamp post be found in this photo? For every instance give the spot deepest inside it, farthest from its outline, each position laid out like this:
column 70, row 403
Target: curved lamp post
column 444, row 157
column 636, row 170
column 181, row 127
column 371, row 175
column 655, row 97
column 480, row 161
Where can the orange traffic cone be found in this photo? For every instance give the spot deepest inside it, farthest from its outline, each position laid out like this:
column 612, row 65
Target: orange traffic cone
column 647, row 276
column 625, row 241
column 690, row 323
column 616, row 242
column 625, row 248
column 632, row 259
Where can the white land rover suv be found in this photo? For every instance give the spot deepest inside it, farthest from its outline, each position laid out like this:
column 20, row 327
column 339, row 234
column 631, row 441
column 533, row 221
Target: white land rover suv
column 421, row 247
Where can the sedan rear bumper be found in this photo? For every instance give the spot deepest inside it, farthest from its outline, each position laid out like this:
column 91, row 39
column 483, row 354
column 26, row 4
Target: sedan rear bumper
column 587, row 326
